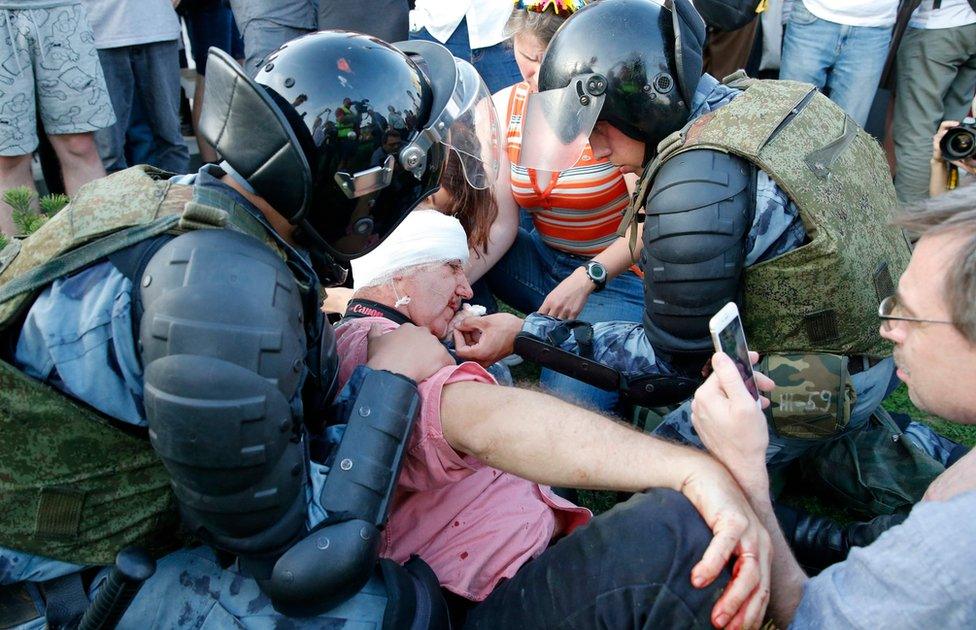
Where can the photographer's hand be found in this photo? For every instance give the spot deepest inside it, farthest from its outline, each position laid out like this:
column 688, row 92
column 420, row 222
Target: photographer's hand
column 945, row 126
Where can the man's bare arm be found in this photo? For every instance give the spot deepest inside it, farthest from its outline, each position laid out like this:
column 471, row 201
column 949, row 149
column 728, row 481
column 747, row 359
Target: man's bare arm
column 549, row 441
column 734, row 430
column 541, row 438
column 788, row 578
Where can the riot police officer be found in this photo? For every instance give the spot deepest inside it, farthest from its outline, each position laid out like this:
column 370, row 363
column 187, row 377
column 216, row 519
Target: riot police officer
column 189, row 307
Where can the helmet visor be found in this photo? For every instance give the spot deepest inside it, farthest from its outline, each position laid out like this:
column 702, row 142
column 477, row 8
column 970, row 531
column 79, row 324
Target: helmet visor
column 558, row 124
column 473, row 136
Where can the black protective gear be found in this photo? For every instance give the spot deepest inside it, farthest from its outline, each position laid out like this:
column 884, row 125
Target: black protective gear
column 727, row 15
column 310, row 132
column 698, row 213
column 304, row 119
column 647, row 391
column 818, row 542
column 219, row 382
column 650, row 55
column 336, row 559
column 219, row 388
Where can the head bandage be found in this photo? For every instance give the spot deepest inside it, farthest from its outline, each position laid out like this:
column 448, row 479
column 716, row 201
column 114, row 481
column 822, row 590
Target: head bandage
column 424, row 237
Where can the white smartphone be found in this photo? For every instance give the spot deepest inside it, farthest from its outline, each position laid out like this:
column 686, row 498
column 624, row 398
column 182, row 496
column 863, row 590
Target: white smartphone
column 729, row 337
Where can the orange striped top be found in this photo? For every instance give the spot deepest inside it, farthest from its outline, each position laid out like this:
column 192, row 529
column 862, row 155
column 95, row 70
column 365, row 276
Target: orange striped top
column 578, row 212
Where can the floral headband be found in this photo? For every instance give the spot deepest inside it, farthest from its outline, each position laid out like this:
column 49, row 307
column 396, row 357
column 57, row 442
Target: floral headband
column 562, row 8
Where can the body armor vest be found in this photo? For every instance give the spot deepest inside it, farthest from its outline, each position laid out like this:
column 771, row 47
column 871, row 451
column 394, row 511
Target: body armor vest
column 73, row 486
column 823, row 296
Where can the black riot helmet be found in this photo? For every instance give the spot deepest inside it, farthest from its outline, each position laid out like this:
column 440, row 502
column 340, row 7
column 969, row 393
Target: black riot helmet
column 344, row 134
column 632, row 63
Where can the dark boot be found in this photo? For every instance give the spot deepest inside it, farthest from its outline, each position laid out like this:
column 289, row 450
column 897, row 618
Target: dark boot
column 818, row 542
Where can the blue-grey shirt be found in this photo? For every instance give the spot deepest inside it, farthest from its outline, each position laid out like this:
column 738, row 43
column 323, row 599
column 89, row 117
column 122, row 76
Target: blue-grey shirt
column 917, row 575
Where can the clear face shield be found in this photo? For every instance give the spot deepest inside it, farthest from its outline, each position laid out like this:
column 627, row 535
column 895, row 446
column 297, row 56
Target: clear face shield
column 474, row 136
column 467, row 125
column 558, row 123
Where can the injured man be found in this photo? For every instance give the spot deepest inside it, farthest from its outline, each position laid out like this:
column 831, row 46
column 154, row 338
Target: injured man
column 474, row 502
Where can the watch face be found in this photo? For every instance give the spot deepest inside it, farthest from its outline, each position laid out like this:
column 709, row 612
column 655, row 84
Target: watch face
column 596, row 271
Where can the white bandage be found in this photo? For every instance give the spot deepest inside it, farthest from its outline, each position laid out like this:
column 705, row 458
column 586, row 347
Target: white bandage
column 424, row 237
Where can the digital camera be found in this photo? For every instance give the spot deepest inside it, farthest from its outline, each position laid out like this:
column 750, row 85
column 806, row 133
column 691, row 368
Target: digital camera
column 959, row 142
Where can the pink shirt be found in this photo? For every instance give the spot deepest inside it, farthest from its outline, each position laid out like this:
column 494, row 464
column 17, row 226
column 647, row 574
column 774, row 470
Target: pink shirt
column 473, row 524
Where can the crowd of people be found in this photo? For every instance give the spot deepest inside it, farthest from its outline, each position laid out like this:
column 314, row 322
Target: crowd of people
column 597, row 166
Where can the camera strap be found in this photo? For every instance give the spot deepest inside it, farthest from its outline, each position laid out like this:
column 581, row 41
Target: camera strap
column 368, row 308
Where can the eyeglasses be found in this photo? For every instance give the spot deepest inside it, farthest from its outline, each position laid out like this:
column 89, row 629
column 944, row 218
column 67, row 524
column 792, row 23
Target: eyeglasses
column 890, row 305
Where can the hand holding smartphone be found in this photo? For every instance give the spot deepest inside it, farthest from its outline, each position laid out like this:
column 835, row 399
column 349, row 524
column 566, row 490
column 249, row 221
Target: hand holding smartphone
column 729, row 337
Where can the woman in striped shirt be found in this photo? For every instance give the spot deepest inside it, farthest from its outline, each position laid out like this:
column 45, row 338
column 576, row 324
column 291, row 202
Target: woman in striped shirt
column 570, row 218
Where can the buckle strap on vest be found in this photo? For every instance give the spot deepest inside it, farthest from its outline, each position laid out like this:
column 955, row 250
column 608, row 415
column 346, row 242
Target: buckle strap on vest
column 738, row 80
column 75, row 259
column 821, row 160
column 198, row 216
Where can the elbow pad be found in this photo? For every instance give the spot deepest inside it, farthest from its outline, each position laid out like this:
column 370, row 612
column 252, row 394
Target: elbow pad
column 336, row 559
column 223, row 347
column 698, row 214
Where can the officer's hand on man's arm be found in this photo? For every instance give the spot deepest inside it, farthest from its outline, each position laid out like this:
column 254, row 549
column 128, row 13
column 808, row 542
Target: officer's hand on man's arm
column 411, row 351
column 543, row 439
column 487, row 339
column 734, row 430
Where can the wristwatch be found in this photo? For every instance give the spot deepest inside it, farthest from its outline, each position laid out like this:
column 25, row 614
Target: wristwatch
column 597, row 273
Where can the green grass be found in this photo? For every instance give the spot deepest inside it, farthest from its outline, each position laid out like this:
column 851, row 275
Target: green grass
column 899, row 401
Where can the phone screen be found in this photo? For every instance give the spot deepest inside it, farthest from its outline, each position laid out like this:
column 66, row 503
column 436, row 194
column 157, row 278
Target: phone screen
column 732, row 339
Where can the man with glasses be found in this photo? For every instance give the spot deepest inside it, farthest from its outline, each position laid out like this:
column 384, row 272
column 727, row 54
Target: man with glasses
column 910, row 577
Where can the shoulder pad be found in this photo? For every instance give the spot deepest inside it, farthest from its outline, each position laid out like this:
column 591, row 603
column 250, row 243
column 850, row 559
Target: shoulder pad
column 223, row 294
column 697, row 216
column 223, row 349
column 697, row 178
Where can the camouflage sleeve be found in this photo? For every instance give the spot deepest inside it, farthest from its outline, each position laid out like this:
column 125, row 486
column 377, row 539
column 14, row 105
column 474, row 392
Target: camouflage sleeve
column 776, row 225
column 621, row 346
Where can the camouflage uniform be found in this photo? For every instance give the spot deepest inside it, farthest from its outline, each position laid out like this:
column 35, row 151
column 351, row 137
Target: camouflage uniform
column 776, row 230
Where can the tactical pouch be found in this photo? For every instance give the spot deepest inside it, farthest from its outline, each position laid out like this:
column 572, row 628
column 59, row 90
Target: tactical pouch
column 72, row 487
column 813, row 396
column 873, row 471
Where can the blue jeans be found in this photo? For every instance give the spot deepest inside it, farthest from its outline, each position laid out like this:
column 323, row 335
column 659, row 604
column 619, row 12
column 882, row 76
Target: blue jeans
column 211, row 23
column 845, row 61
column 531, row 270
column 265, row 26
column 150, row 73
column 496, row 64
